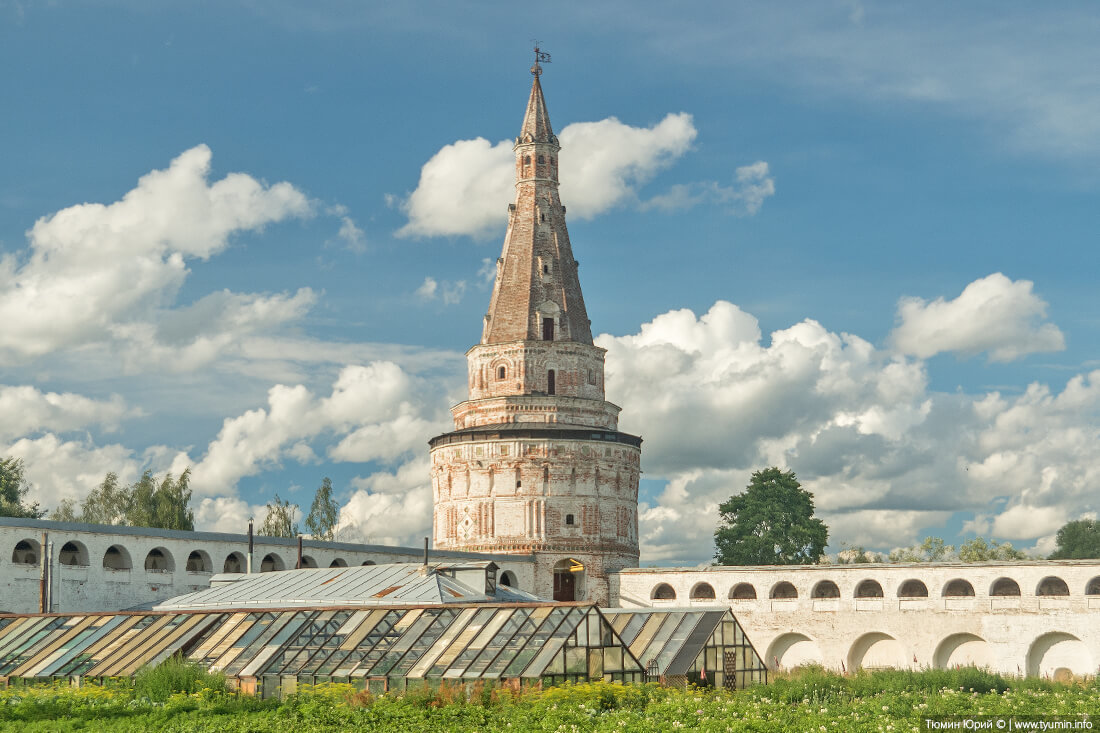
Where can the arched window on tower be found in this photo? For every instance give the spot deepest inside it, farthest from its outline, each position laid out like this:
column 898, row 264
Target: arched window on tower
column 551, row 383
column 547, row 329
column 501, row 372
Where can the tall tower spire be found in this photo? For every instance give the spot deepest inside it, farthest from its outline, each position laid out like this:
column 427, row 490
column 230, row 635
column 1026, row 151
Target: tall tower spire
column 537, row 294
column 536, row 464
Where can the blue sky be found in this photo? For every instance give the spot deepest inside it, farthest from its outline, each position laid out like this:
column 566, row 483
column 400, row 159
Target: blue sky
column 889, row 212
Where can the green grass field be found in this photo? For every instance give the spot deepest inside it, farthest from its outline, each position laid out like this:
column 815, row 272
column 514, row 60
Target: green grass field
column 809, row 700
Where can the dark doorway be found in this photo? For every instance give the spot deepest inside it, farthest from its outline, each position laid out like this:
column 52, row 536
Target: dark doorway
column 565, row 586
column 551, row 385
column 547, row 329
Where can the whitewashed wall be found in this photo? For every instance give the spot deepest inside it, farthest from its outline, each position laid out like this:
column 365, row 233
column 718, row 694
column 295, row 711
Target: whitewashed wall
column 1033, row 633
column 82, row 582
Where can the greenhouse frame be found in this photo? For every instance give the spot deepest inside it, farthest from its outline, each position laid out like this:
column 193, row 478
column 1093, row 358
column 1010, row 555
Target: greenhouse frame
column 270, row 651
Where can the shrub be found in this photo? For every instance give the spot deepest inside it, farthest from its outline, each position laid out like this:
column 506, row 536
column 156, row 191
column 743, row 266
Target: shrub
column 175, row 675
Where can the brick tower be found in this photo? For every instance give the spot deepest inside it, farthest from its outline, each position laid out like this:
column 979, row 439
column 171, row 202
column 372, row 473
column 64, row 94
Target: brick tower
column 536, row 462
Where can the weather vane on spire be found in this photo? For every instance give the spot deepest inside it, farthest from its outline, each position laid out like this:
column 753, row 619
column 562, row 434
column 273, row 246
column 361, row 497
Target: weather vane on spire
column 540, row 56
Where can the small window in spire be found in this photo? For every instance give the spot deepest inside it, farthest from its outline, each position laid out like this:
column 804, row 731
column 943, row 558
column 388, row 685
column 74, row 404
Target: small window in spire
column 527, row 160
column 546, row 269
column 547, row 329
column 569, row 519
column 501, row 373
column 541, row 160
column 542, row 217
column 551, row 385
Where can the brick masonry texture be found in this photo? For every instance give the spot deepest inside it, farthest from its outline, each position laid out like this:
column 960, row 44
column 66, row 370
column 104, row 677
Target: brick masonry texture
column 565, row 496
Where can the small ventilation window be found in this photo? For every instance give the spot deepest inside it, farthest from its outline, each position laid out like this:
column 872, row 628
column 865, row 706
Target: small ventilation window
column 527, row 160
column 569, row 519
column 542, row 217
column 551, row 382
column 501, row 373
column 541, row 160
column 546, row 269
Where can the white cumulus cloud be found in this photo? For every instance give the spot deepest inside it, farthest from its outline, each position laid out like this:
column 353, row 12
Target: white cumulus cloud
column 100, row 273
column 26, row 410
column 374, row 412
column 886, row 457
column 993, row 314
column 466, row 187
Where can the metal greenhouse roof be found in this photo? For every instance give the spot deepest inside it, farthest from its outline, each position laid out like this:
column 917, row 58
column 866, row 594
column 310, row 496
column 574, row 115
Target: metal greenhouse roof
column 369, row 585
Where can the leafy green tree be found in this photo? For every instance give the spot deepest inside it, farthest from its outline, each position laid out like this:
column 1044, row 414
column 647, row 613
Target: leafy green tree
column 108, row 503
column 979, row 550
column 65, row 512
column 1078, row 540
column 164, row 505
column 13, row 491
column 771, row 523
column 933, row 549
column 279, row 521
column 324, row 513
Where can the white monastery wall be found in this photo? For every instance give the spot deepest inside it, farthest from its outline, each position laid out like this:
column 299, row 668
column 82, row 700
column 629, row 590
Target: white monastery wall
column 1035, row 618
column 102, row 568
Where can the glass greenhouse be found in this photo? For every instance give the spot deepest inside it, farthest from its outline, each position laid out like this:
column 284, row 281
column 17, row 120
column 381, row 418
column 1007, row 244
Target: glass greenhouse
column 271, row 650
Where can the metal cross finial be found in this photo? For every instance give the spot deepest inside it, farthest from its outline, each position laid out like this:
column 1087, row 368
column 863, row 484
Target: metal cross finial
column 540, row 56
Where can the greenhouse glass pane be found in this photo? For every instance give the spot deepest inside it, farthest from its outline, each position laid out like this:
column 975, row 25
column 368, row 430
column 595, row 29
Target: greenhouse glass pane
column 513, row 648
column 462, row 641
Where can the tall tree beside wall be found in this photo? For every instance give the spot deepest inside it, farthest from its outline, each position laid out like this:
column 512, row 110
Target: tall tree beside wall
column 280, row 519
column 13, row 491
column 324, row 513
column 1078, row 540
column 163, row 504
column 771, row 523
column 108, row 503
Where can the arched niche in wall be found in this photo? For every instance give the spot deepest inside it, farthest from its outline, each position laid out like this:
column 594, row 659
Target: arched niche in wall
column 1052, row 585
column 913, row 588
column 958, row 588
column 234, row 563
column 663, row 592
column 1004, row 587
column 117, row 558
column 198, row 561
column 272, row 562
column 825, row 589
column 743, row 592
column 869, row 589
column 73, row 553
column 26, row 552
column 160, row 559
column 702, row 592
column 782, row 591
